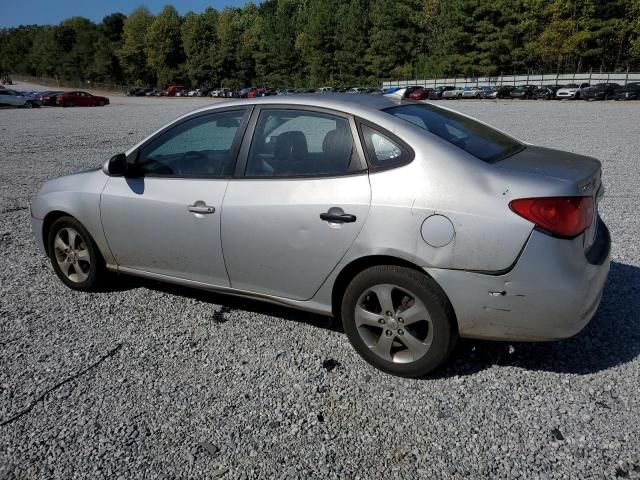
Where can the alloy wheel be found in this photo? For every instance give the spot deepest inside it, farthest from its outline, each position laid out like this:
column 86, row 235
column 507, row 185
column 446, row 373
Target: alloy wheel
column 72, row 255
column 394, row 323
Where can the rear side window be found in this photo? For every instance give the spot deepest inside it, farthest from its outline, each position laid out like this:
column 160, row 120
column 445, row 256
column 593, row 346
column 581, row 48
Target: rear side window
column 475, row 138
column 294, row 143
column 383, row 152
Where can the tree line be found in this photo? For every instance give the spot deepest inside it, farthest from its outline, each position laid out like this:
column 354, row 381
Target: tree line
column 334, row 42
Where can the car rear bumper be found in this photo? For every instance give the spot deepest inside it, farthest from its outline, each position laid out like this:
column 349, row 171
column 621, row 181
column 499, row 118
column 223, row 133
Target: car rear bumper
column 551, row 293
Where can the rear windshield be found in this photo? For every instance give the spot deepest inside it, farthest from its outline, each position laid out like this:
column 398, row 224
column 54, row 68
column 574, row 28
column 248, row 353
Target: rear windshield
column 479, row 140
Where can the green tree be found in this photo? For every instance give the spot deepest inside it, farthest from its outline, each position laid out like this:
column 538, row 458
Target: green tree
column 277, row 60
column 392, row 37
column 200, row 42
column 133, row 59
column 317, row 41
column 163, row 46
column 351, row 41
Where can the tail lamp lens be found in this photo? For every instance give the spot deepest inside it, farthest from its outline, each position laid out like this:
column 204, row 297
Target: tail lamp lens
column 562, row 216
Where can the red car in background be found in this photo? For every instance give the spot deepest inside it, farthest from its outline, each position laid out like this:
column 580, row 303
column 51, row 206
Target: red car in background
column 172, row 90
column 80, row 99
column 420, row 93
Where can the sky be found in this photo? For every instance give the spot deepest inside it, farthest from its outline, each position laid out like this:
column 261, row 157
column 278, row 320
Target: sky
column 29, row 12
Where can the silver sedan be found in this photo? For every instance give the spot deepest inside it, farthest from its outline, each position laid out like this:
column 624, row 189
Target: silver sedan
column 414, row 224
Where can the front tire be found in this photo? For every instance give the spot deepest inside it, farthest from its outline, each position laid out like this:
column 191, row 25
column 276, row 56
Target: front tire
column 399, row 320
column 74, row 255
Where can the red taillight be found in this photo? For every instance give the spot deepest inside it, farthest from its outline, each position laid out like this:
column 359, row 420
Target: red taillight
column 563, row 216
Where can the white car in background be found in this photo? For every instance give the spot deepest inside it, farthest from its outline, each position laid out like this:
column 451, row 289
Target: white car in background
column 473, row 92
column 571, row 91
column 457, row 92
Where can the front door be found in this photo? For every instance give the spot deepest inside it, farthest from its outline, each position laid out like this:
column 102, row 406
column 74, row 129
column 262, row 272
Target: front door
column 302, row 200
column 164, row 218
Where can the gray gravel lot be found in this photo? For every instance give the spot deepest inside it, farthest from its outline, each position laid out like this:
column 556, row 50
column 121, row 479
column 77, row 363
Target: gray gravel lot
column 151, row 381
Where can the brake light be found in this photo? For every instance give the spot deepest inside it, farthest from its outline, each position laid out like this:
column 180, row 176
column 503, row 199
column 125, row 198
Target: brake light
column 563, row 216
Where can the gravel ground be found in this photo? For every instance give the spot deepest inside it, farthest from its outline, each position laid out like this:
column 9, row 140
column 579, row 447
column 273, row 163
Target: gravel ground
column 151, row 381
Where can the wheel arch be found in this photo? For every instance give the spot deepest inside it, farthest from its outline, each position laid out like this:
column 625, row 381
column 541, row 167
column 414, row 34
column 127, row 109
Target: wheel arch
column 358, row 265
column 49, row 218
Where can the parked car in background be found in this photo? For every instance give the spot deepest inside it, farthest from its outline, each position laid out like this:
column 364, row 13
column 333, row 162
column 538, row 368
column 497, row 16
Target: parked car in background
column 455, row 93
column 436, row 93
column 221, row 92
column 547, row 92
column 631, row 91
column 600, row 91
column 325, row 90
column 473, row 92
column 48, row 97
column 390, row 90
column 410, row 88
column 523, row 92
column 571, row 91
column 173, row 90
column 421, row 93
column 13, row 98
column 407, row 267
column 501, row 92
column 485, row 90
column 80, row 99
column 198, row 92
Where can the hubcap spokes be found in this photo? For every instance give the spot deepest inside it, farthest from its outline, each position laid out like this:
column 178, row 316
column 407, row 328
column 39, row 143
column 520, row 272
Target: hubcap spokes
column 72, row 255
column 394, row 323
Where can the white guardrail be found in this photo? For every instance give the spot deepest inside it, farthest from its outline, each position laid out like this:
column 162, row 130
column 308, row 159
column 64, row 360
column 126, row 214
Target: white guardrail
column 515, row 80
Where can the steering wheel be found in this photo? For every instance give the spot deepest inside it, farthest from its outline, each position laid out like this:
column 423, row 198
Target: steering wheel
column 188, row 161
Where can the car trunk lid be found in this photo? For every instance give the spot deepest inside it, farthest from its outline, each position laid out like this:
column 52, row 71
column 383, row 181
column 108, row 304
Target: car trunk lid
column 582, row 171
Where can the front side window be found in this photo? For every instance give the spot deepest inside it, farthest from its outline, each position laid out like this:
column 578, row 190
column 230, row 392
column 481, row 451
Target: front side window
column 475, row 138
column 291, row 143
column 199, row 147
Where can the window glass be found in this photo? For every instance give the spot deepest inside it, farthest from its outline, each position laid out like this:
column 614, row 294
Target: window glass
column 301, row 143
column 475, row 138
column 200, row 147
column 383, row 152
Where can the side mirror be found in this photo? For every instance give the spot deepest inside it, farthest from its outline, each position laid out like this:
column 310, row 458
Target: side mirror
column 116, row 166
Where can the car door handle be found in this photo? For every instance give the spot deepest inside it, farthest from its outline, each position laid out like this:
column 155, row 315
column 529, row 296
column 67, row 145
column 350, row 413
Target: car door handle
column 201, row 207
column 338, row 217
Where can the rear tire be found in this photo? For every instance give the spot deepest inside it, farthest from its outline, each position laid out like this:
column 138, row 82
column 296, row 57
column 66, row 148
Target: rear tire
column 74, row 255
column 399, row 320
column 28, row 105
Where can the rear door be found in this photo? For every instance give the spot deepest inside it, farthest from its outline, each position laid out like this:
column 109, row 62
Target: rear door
column 300, row 197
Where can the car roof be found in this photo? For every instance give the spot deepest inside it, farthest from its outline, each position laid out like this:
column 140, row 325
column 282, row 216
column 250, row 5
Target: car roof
column 353, row 104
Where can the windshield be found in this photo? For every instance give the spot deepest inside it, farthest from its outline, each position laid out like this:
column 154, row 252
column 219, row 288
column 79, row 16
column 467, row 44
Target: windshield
column 473, row 137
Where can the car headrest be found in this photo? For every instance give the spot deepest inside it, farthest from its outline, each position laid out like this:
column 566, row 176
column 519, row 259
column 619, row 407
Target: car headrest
column 291, row 147
column 337, row 146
